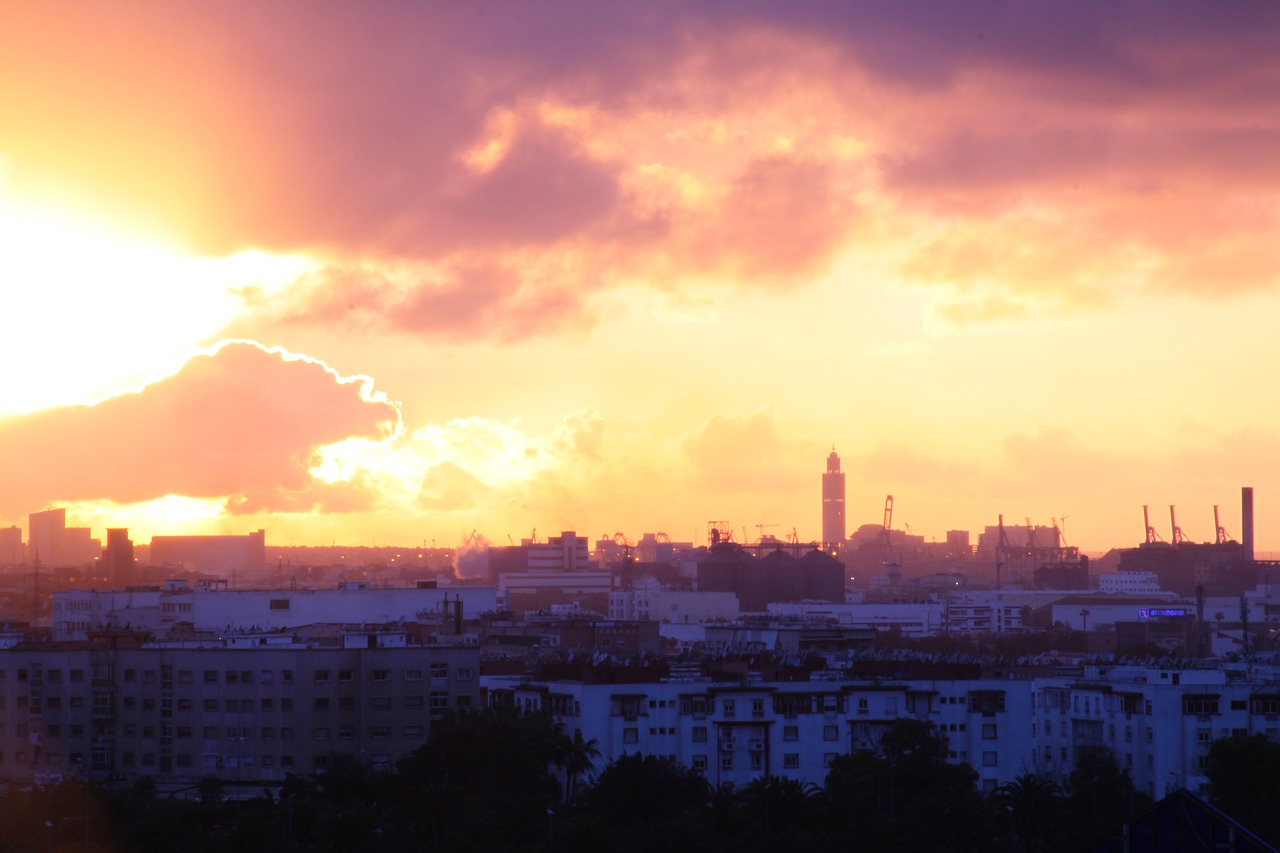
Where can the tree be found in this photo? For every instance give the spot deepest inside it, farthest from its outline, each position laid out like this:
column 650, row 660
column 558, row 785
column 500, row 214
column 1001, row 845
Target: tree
column 578, row 757
column 1101, row 796
column 1035, row 806
column 907, row 798
column 1244, row 780
column 483, row 781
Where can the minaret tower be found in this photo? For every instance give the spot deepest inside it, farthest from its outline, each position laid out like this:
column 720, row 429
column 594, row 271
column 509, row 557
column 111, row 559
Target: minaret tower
column 832, row 505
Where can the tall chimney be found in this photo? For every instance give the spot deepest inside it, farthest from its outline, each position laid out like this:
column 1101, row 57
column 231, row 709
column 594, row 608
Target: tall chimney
column 1246, row 522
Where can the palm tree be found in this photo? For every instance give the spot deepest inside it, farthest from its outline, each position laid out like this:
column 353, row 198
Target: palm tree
column 578, row 756
column 1035, row 805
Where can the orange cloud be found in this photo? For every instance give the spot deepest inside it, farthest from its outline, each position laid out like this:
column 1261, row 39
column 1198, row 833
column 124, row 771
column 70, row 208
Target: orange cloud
column 240, row 421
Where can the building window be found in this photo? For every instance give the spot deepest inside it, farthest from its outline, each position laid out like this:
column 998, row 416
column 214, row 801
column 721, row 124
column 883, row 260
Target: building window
column 344, row 675
column 463, row 673
column 380, row 703
column 791, row 761
column 728, row 707
column 320, row 734
column 699, row 734
column 1199, row 705
column 439, row 670
column 413, row 675
column 439, row 700
column 726, row 761
column 791, row 733
column 279, row 604
column 346, row 732
column 210, row 676
column 413, row 703
column 382, row 675
column 988, row 759
column 287, row 677
column 321, row 703
column 322, row 676
column 830, row 732
column 631, row 735
column 412, row 732
column 988, row 731
column 380, row 732
column 700, row 763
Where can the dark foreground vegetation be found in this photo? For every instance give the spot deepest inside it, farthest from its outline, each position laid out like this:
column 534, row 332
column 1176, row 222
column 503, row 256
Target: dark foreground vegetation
column 497, row 780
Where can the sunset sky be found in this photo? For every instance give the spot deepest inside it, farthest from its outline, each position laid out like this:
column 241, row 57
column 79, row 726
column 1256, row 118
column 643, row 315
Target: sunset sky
column 389, row 272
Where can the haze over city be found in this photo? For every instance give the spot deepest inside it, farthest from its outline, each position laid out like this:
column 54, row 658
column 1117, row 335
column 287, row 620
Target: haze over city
column 395, row 273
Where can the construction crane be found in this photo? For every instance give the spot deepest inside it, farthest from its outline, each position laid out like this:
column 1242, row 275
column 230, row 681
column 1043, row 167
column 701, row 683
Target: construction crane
column 1032, row 540
column 1221, row 537
column 760, row 528
column 1178, row 538
column 662, row 537
column 1152, row 536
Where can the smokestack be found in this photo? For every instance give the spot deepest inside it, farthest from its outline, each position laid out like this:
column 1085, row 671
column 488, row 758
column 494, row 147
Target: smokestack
column 1246, row 522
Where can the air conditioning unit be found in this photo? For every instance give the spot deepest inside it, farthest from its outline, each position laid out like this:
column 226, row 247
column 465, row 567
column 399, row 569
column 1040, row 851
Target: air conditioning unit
column 726, row 746
column 757, row 746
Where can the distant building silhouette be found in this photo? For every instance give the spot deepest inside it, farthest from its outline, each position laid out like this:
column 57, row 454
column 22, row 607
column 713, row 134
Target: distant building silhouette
column 118, row 563
column 54, row 544
column 10, row 546
column 211, row 553
column 832, row 504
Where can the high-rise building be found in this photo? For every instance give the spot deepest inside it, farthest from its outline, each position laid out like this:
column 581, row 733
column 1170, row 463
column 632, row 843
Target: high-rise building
column 44, row 536
column 832, row 504
column 10, row 546
column 117, row 560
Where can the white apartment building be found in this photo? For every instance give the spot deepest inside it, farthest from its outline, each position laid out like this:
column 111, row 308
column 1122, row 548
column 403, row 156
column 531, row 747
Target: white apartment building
column 249, row 710
column 735, row 733
column 216, row 608
column 984, row 613
column 674, row 606
column 1158, row 724
column 1133, row 582
column 911, row 620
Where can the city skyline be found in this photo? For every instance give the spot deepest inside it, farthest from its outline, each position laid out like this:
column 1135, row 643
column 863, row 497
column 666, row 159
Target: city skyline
column 402, row 273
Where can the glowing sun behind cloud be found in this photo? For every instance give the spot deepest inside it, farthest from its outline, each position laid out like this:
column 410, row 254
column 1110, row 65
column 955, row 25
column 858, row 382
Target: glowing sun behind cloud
column 91, row 309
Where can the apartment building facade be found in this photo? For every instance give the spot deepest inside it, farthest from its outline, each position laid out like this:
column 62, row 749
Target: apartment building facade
column 1158, row 724
column 251, row 709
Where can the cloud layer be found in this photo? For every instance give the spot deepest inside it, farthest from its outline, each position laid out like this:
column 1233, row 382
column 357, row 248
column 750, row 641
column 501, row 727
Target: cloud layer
column 241, row 422
column 486, row 170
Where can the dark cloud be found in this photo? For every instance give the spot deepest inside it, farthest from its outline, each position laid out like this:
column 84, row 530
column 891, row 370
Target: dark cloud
column 346, row 133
